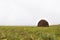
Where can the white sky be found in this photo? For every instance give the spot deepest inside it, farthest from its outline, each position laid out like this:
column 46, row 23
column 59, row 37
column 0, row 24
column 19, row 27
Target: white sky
column 29, row 12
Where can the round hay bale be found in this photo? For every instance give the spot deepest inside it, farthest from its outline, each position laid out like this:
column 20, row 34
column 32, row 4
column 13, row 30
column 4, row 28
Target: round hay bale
column 43, row 23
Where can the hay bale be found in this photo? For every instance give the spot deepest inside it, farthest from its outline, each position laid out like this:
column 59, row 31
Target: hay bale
column 43, row 23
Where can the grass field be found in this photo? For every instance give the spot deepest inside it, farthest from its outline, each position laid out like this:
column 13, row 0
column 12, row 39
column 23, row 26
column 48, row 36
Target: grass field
column 29, row 33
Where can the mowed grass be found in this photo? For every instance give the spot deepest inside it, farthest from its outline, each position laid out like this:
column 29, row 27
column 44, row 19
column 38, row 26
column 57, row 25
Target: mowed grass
column 29, row 33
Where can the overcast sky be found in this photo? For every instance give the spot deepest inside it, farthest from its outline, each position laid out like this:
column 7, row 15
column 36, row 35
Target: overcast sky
column 29, row 12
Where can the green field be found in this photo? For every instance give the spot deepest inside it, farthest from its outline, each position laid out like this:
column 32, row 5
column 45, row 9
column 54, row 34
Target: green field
column 29, row 33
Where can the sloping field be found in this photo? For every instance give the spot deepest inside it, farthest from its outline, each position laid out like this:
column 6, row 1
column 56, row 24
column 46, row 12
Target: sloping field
column 29, row 33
